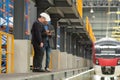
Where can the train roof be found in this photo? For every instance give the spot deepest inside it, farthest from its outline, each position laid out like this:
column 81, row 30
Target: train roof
column 108, row 41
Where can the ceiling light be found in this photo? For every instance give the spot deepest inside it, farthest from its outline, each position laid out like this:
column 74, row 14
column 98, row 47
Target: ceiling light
column 91, row 10
column 93, row 17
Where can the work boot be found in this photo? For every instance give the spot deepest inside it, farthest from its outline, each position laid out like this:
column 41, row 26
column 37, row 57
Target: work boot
column 47, row 70
column 38, row 70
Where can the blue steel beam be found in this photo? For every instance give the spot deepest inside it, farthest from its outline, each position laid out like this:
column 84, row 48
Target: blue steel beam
column 7, row 15
column 27, row 13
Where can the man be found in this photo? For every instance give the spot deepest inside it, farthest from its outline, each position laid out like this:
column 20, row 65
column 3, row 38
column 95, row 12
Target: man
column 48, row 42
column 2, row 28
column 37, row 41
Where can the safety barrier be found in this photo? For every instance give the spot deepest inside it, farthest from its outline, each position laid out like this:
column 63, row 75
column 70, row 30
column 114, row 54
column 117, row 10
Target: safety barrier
column 6, row 53
column 55, row 75
column 89, row 30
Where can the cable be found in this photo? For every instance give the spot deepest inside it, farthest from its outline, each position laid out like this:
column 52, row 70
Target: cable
column 108, row 18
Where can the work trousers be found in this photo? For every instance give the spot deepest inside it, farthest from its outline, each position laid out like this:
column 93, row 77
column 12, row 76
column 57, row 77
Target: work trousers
column 38, row 56
column 47, row 49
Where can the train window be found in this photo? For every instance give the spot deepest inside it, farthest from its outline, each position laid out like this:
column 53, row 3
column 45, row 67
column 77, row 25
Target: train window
column 98, row 51
column 117, row 51
column 107, row 52
column 110, row 43
column 107, row 45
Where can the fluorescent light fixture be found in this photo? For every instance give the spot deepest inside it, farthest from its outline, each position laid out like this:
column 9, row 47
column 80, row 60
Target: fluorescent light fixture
column 91, row 10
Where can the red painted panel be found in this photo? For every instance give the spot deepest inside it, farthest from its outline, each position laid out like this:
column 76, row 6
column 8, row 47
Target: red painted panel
column 107, row 62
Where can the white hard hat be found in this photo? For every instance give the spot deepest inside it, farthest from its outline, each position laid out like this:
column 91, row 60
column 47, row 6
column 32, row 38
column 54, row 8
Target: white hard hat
column 46, row 16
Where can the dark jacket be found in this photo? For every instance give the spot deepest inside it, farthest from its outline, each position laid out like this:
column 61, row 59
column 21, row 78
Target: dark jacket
column 37, row 31
column 52, row 38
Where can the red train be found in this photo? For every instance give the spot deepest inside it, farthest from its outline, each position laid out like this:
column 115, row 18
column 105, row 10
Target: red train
column 106, row 57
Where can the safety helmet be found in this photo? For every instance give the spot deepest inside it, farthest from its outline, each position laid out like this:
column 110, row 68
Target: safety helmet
column 46, row 16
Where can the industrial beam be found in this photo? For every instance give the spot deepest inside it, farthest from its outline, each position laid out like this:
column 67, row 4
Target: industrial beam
column 68, row 21
column 74, row 30
column 104, row 29
column 70, row 16
column 19, row 17
column 116, row 21
column 100, row 34
column 116, row 32
column 84, row 42
column 117, row 12
column 101, row 3
column 117, row 36
column 72, row 23
column 62, row 3
column 71, row 27
column 60, row 12
column 75, row 10
column 104, row 21
column 101, row 6
column 98, row 37
column 51, row 2
column 116, row 27
column 69, row 2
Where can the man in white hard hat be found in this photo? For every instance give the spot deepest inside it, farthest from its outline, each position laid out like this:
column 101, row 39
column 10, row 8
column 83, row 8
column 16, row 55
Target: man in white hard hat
column 48, row 43
column 47, row 40
column 46, row 16
column 37, row 41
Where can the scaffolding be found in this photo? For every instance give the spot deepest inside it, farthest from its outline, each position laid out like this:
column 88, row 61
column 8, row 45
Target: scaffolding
column 6, row 53
column 6, row 19
column 6, row 13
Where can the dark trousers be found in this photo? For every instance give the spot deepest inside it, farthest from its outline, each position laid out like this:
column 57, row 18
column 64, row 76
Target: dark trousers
column 38, row 56
column 47, row 49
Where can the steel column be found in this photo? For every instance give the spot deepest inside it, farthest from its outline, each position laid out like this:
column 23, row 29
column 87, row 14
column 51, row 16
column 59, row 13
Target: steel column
column 19, row 17
column 68, row 42
column 62, row 40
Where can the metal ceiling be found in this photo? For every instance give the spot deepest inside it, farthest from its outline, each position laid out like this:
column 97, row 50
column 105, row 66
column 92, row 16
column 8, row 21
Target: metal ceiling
column 66, row 13
column 101, row 6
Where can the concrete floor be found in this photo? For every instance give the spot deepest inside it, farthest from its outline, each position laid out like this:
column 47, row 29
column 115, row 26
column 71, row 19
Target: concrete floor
column 54, row 75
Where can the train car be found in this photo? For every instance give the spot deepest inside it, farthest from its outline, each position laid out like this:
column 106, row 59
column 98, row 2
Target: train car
column 106, row 57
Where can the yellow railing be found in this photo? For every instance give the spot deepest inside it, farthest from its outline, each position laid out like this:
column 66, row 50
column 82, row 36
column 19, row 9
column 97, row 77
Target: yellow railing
column 80, row 7
column 89, row 30
column 6, row 53
column 116, row 33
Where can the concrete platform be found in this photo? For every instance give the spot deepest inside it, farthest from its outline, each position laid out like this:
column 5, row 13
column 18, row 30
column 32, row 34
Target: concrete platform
column 22, row 56
column 55, row 75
